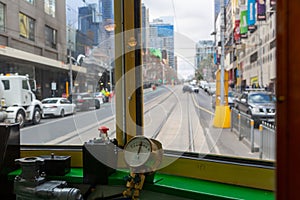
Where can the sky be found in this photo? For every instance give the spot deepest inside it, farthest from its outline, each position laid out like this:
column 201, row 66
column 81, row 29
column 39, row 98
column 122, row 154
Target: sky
column 193, row 18
column 193, row 21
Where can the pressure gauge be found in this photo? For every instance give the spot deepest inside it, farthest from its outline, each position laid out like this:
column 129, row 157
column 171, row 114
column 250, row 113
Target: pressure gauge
column 137, row 151
column 143, row 153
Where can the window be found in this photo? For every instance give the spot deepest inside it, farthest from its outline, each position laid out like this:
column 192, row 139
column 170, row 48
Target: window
column 27, row 26
column 49, row 6
column 50, row 37
column 6, row 84
column 25, row 85
column 2, row 17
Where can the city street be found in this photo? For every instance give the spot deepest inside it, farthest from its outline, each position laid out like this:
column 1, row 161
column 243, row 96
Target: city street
column 181, row 121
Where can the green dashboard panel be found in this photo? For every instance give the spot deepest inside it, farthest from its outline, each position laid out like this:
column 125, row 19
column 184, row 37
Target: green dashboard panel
column 176, row 186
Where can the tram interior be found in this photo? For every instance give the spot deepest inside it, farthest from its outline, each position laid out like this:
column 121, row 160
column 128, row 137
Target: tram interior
column 77, row 172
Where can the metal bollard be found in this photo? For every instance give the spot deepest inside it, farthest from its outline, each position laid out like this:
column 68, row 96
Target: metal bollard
column 252, row 135
column 240, row 133
column 261, row 141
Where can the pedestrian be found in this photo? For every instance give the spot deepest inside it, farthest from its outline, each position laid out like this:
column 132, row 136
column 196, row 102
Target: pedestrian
column 106, row 95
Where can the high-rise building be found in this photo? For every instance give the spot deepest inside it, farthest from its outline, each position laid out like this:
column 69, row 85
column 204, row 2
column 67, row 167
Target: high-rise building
column 145, row 25
column 204, row 49
column 162, row 37
column 89, row 21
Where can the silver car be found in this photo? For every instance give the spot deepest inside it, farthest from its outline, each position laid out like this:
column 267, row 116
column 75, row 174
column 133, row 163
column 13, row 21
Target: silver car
column 260, row 105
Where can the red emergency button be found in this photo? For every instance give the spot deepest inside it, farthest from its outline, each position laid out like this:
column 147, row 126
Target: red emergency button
column 103, row 129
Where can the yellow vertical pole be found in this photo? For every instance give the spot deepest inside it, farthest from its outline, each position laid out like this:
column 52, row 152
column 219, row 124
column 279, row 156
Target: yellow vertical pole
column 222, row 112
column 119, row 68
column 129, row 93
column 67, row 89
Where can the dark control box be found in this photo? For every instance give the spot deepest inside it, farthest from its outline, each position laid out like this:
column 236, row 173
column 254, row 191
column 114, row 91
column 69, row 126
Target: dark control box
column 56, row 165
column 99, row 162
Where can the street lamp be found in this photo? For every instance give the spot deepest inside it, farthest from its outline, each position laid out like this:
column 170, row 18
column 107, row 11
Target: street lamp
column 70, row 62
column 109, row 26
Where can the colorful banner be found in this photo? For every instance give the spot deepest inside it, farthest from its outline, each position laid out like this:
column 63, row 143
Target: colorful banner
column 251, row 15
column 261, row 10
column 243, row 22
column 217, row 58
column 236, row 30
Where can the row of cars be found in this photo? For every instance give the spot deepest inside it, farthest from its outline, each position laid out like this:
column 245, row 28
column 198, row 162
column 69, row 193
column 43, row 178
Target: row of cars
column 209, row 88
column 190, row 88
column 60, row 106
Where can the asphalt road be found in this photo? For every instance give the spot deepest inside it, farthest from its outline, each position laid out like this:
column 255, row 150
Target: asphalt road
column 82, row 126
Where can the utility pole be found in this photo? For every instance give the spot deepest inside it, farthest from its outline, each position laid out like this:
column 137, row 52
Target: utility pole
column 110, row 74
column 70, row 66
column 222, row 111
column 260, row 55
column 222, row 51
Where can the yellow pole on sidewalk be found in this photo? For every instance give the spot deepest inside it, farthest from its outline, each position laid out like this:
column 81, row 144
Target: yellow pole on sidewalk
column 222, row 112
column 67, row 89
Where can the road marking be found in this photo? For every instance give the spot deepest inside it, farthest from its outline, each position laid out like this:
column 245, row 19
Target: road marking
column 212, row 141
column 201, row 108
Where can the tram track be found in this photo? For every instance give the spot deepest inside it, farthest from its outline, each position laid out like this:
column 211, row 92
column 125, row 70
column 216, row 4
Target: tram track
column 182, row 132
column 86, row 131
column 170, row 113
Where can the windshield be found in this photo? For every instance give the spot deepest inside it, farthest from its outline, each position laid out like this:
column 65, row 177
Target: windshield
column 141, row 65
column 261, row 98
column 47, row 101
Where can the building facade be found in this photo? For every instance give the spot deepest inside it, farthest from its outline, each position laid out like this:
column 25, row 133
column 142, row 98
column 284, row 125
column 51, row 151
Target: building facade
column 33, row 42
column 161, row 36
column 250, row 43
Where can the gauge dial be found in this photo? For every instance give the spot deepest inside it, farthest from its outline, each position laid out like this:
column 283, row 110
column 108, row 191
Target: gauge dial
column 137, row 151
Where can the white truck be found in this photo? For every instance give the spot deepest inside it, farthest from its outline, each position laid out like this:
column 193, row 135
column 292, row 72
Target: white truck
column 18, row 102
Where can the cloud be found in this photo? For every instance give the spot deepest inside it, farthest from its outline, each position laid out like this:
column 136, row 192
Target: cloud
column 193, row 18
column 193, row 21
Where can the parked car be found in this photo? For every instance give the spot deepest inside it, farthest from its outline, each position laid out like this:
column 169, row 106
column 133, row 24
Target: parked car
column 195, row 88
column 260, row 105
column 202, row 84
column 85, row 101
column 211, row 89
column 187, row 88
column 58, row 106
column 231, row 98
column 100, row 97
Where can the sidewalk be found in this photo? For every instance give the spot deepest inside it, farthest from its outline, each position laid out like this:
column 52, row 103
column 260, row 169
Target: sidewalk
column 228, row 144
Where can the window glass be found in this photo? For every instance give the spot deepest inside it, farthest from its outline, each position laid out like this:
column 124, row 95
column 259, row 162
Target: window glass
column 50, row 7
column 27, row 26
column 25, row 85
column 2, row 17
column 50, row 37
column 6, row 84
column 189, row 69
